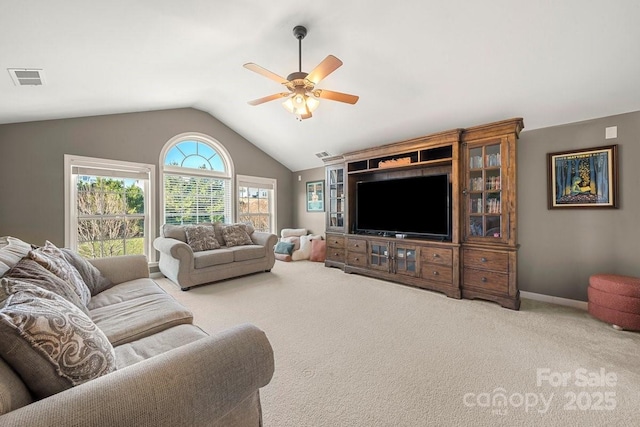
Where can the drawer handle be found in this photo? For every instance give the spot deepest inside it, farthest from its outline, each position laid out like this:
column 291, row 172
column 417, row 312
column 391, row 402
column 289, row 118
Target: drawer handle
column 336, row 253
column 357, row 259
column 484, row 279
column 435, row 255
column 483, row 259
column 356, row 245
column 435, row 273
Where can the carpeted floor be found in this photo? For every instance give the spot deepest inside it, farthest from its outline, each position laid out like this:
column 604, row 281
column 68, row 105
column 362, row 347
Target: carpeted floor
column 354, row 351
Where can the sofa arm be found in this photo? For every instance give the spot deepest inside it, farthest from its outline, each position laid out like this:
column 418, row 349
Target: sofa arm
column 264, row 239
column 207, row 382
column 174, row 248
column 120, row 269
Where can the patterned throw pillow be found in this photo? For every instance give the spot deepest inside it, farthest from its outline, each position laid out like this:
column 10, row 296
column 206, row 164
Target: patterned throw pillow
column 28, row 270
column 52, row 258
column 48, row 341
column 236, row 235
column 201, row 237
column 91, row 276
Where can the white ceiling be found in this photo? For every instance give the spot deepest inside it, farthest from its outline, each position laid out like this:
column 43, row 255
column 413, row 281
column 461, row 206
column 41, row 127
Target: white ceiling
column 419, row 66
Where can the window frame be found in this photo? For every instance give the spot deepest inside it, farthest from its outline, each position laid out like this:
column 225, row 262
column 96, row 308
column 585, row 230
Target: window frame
column 71, row 192
column 228, row 174
column 258, row 181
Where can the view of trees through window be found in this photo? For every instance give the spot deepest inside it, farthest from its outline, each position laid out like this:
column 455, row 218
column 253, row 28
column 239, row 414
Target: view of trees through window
column 111, row 218
column 254, row 206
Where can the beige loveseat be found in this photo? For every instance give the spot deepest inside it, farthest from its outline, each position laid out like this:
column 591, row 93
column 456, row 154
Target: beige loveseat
column 186, row 267
column 168, row 372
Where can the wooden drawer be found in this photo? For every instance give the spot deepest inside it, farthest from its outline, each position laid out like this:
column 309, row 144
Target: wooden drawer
column 437, row 273
column 334, row 241
column 486, row 280
column 356, row 245
column 486, row 260
column 357, row 259
column 335, row 254
column 442, row 256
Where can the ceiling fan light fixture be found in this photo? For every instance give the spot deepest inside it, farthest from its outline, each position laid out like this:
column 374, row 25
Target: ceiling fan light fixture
column 300, row 103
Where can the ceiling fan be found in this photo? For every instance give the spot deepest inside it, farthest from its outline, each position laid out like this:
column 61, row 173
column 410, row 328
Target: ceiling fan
column 303, row 97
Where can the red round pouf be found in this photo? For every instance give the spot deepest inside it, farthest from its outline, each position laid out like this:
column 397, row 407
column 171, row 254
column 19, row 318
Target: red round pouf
column 615, row 299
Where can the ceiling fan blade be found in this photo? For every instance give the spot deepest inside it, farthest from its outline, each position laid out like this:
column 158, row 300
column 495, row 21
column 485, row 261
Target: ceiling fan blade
column 326, row 67
column 264, row 72
column 336, row 96
column 269, row 98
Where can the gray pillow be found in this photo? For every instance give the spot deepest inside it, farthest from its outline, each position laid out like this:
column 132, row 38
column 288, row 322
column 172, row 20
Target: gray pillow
column 236, row 235
column 28, row 270
column 51, row 258
column 201, row 237
column 48, row 341
column 91, row 276
column 12, row 250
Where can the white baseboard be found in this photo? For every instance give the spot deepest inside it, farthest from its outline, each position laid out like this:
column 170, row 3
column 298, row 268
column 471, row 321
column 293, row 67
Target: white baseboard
column 555, row 300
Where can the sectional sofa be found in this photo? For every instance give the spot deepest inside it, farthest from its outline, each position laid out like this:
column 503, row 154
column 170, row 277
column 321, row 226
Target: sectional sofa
column 120, row 352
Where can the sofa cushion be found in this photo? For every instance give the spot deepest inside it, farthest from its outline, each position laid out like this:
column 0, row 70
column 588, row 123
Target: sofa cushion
column 161, row 342
column 244, row 253
column 201, row 238
column 174, row 232
column 210, row 258
column 13, row 392
column 48, row 341
column 236, row 235
column 12, row 250
column 30, row 271
column 91, row 276
column 131, row 316
column 51, row 258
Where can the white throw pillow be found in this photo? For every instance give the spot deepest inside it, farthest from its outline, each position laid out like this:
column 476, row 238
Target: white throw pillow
column 293, row 232
column 305, row 249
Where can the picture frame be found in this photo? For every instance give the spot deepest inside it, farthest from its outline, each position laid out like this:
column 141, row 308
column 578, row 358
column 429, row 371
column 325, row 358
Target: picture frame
column 315, row 196
column 586, row 178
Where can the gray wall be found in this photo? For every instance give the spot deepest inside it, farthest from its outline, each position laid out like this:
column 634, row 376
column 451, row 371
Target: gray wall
column 560, row 249
column 32, row 158
column 312, row 221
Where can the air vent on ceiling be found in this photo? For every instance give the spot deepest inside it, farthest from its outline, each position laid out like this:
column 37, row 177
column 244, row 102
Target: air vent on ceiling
column 26, row 77
column 322, row 154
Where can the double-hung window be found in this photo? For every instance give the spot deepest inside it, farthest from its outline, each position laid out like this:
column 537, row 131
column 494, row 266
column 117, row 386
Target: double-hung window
column 256, row 202
column 109, row 207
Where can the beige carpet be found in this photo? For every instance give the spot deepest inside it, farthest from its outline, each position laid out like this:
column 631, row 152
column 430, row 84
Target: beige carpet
column 355, row 351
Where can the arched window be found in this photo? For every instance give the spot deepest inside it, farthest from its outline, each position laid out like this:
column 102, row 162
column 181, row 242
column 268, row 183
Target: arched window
column 197, row 180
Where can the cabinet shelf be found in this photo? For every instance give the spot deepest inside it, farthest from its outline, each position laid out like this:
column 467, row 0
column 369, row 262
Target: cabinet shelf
column 410, row 159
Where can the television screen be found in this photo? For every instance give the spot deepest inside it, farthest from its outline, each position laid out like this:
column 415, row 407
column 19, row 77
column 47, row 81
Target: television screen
column 416, row 206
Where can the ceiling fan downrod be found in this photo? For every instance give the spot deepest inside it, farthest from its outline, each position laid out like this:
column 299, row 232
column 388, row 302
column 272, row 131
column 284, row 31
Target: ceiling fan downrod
column 299, row 32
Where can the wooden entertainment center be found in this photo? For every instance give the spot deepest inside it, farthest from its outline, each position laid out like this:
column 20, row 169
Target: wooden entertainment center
column 479, row 257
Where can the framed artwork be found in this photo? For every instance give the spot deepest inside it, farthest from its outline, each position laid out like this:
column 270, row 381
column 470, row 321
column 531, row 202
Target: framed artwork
column 585, row 178
column 315, row 196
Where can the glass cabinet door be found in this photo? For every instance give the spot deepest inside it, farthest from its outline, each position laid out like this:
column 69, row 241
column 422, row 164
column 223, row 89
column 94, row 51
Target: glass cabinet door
column 484, row 191
column 336, row 205
column 379, row 256
column 406, row 260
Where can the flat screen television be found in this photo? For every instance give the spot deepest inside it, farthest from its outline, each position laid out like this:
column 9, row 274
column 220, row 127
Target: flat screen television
column 416, row 206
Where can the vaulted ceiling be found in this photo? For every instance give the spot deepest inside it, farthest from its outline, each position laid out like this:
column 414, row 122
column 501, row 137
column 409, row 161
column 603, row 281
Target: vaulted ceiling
column 419, row 66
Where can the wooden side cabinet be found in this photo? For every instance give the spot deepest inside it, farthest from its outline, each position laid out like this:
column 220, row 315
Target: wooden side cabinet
column 489, row 241
column 335, row 256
